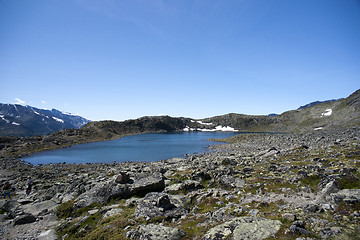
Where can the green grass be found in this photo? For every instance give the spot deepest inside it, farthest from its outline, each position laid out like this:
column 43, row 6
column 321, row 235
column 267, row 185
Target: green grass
column 192, row 228
column 311, row 181
column 350, row 181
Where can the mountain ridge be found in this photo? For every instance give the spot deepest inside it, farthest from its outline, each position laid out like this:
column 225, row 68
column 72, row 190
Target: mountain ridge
column 26, row 121
column 343, row 113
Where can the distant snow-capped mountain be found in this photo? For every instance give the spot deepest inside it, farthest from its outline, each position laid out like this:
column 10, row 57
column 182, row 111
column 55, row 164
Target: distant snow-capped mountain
column 24, row 121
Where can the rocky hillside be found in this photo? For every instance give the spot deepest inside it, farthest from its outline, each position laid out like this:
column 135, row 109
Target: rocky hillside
column 25, row 121
column 261, row 186
column 326, row 115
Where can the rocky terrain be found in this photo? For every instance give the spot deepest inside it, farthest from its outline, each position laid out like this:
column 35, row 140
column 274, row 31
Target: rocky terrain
column 259, row 186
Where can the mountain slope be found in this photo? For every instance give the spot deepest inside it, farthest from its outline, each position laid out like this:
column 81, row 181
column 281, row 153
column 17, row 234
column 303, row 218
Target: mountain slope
column 24, row 121
column 329, row 114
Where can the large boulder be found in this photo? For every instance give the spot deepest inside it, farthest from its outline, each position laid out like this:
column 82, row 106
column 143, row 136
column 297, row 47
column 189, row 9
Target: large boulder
column 249, row 228
column 160, row 205
column 24, row 219
column 9, row 206
column 140, row 184
column 346, row 195
column 155, row 232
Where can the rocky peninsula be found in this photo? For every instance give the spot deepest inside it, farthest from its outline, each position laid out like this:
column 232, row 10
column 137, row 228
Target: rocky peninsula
column 258, row 186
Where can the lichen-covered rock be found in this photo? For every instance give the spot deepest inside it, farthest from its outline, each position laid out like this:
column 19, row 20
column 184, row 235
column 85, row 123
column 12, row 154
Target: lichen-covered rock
column 249, row 228
column 160, row 205
column 231, row 182
column 155, row 232
column 187, row 185
column 346, row 195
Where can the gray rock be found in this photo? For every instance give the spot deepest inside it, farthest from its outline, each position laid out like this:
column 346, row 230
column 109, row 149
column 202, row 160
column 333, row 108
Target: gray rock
column 104, row 191
column 9, row 206
column 249, row 228
column 187, row 185
column 295, row 229
column 329, row 188
column 253, row 212
column 25, row 219
column 155, row 232
column 41, row 207
column 160, row 205
column 174, row 188
column 190, row 185
column 24, row 201
column 112, row 212
column 289, row 216
column 346, row 195
column 312, row 208
column 328, row 232
column 231, row 182
column 123, row 178
column 48, row 235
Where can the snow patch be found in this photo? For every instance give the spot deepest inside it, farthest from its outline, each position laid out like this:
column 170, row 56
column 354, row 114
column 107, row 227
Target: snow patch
column 216, row 129
column 58, row 119
column 189, row 129
column 225, row 129
column 327, row 112
column 3, row 118
column 203, row 123
column 70, row 114
column 15, row 123
column 36, row 112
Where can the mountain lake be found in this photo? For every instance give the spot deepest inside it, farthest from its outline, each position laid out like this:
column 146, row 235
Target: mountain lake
column 143, row 147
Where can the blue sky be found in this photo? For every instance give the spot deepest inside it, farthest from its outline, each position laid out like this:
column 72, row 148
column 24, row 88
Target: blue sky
column 117, row 60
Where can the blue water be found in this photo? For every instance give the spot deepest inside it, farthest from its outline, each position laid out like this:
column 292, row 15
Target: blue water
column 144, row 147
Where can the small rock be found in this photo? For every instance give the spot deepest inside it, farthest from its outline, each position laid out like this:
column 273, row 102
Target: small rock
column 123, row 178
column 93, row 211
column 328, row 232
column 289, row 216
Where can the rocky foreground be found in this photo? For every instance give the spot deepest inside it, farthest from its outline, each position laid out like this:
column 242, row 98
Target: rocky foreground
column 259, row 186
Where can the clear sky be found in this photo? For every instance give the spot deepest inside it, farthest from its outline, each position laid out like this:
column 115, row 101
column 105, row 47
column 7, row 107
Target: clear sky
column 123, row 59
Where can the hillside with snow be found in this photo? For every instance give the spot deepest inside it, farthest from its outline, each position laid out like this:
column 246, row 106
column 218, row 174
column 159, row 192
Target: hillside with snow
column 24, row 121
column 341, row 113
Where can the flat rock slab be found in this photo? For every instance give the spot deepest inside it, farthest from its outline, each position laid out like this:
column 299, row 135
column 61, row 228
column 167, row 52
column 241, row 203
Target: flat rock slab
column 48, row 235
column 112, row 212
column 244, row 228
column 347, row 195
column 155, row 232
column 37, row 208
